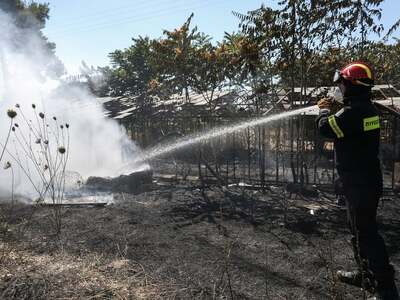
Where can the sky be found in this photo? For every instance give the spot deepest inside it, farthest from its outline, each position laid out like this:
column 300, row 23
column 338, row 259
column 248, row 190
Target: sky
column 88, row 30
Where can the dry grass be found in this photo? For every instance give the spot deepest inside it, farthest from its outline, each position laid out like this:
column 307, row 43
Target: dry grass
column 26, row 275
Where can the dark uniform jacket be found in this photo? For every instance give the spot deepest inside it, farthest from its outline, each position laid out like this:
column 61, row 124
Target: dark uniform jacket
column 356, row 133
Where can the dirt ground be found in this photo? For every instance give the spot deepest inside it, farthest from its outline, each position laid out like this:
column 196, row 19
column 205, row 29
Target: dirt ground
column 182, row 241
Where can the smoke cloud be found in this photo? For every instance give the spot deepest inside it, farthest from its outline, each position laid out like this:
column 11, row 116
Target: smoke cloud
column 98, row 146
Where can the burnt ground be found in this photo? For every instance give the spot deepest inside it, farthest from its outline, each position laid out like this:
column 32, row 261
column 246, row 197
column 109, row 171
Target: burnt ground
column 183, row 242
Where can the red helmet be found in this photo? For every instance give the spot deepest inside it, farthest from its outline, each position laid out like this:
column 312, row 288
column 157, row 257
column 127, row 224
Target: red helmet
column 358, row 73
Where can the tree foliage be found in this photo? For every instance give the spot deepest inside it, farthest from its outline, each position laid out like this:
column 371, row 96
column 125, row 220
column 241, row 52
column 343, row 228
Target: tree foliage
column 30, row 18
column 297, row 44
column 180, row 61
column 132, row 69
column 301, row 42
column 177, row 55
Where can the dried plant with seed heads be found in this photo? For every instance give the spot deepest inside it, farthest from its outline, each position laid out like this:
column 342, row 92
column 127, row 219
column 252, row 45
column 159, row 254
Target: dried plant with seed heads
column 7, row 165
column 11, row 113
column 61, row 149
column 45, row 150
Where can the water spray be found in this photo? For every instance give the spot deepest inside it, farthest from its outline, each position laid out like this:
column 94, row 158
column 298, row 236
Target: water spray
column 190, row 140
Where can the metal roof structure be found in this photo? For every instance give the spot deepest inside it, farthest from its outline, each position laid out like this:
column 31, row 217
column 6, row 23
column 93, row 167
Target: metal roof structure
column 120, row 108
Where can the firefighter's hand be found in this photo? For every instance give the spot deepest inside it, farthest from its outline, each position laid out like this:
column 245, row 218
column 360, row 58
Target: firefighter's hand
column 325, row 103
column 336, row 106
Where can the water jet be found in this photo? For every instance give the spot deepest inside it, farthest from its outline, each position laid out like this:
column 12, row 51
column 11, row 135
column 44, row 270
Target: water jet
column 166, row 148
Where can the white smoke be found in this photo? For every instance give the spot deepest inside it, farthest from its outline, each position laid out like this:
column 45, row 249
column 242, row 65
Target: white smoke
column 98, row 146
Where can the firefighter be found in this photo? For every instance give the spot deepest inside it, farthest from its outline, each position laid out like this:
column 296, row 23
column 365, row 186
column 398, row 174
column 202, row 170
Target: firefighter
column 355, row 130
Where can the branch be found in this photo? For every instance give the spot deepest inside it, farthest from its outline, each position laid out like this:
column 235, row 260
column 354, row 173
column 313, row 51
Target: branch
column 392, row 30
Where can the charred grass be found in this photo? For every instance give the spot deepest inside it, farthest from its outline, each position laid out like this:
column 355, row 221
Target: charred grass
column 184, row 242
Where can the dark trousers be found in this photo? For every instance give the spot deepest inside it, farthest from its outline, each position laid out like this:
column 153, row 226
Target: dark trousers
column 368, row 245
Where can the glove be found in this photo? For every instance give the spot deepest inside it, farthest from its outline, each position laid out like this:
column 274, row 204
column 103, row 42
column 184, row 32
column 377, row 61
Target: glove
column 325, row 103
column 336, row 106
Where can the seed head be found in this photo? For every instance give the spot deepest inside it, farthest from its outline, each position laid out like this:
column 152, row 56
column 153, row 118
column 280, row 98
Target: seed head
column 41, row 115
column 17, row 105
column 46, row 167
column 62, row 126
column 33, row 105
column 16, row 125
column 11, row 113
column 46, row 142
column 7, row 165
column 67, row 125
column 61, row 149
column 54, row 118
column 13, row 128
column 38, row 141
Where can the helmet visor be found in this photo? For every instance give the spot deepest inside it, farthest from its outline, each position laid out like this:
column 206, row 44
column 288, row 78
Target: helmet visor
column 337, row 77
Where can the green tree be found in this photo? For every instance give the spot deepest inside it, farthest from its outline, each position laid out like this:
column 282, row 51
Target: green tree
column 384, row 59
column 210, row 70
column 176, row 57
column 299, row 33
column 132, row 69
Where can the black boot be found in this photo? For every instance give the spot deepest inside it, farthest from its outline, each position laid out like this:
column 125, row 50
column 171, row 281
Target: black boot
column 357, row 278
column 386, row 288
column 389, row 293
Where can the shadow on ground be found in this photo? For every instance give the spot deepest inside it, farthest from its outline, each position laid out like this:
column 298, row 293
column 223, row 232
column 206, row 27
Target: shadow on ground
column 184, row 242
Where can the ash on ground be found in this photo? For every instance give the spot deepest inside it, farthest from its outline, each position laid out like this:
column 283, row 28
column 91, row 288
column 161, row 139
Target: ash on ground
column 182, row 240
